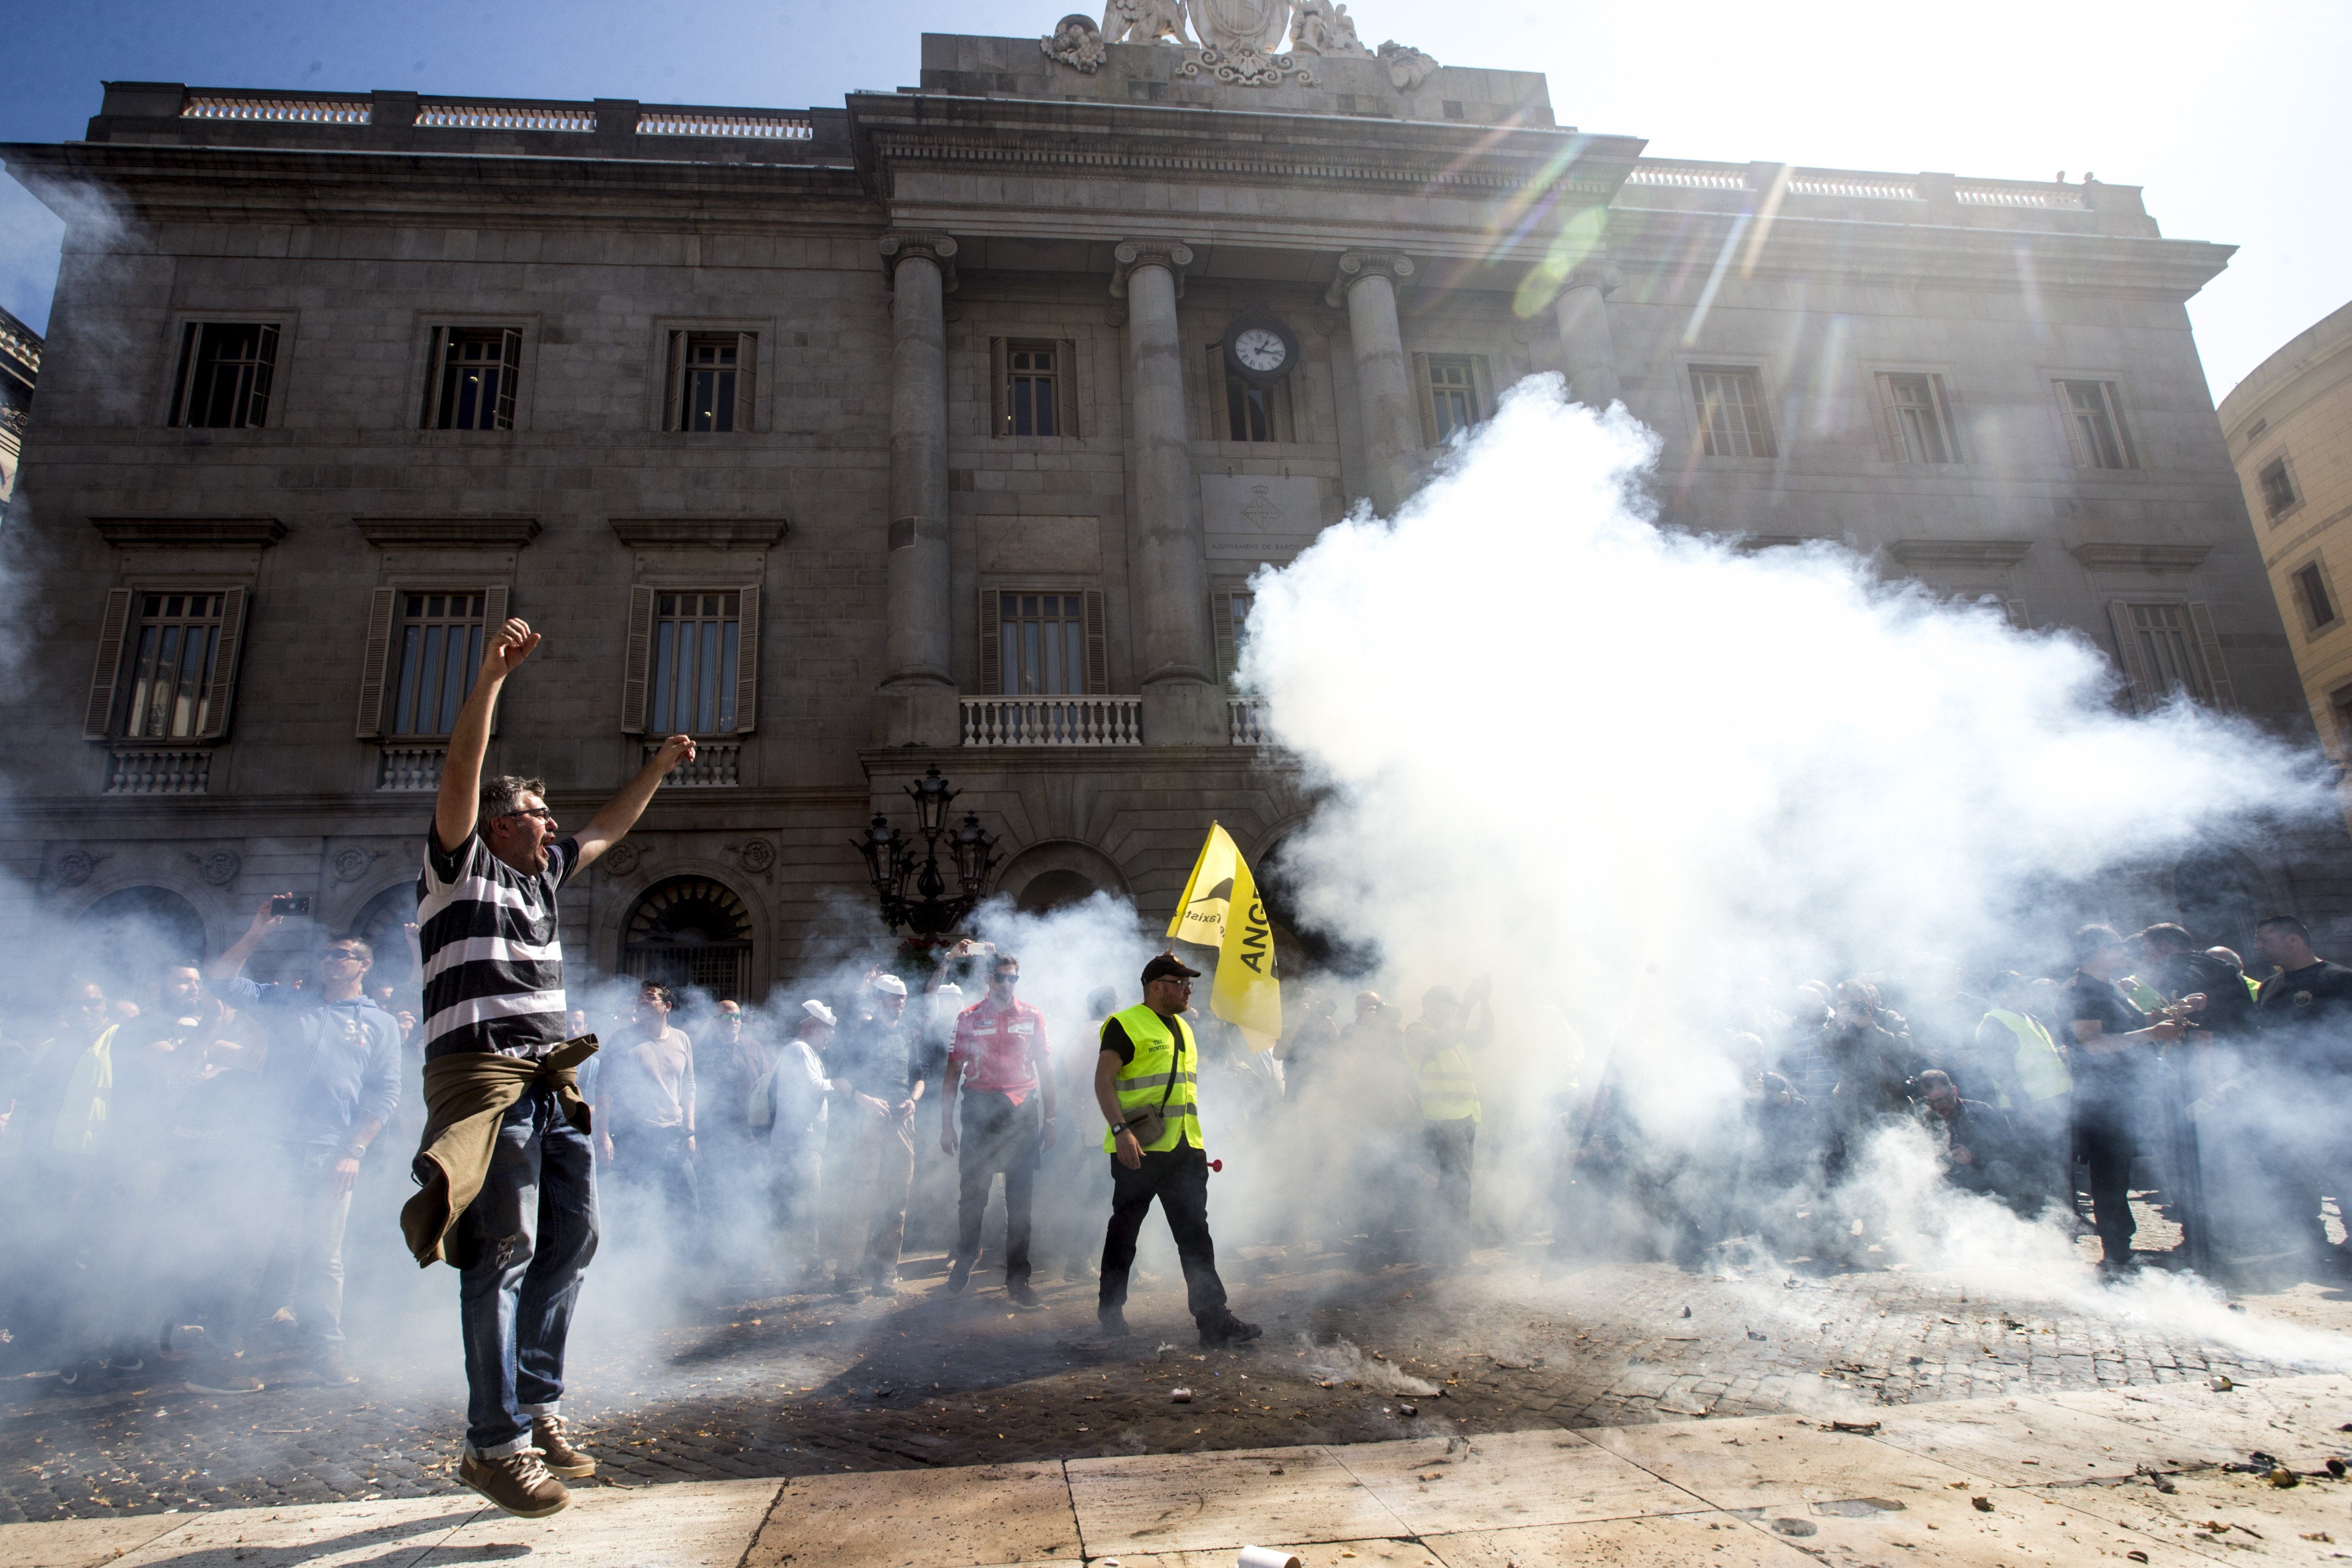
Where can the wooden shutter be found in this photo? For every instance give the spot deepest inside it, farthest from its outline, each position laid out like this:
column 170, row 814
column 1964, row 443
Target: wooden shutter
column 1000, row 397
column 429, row 419
column 223, row 686
column 1066, row 388
column 992, row 640
column 747, row 652
column 635, row 655
column 1890, row 421
column 188, row 372
column 2133, row 659
column 378, row 650
column 1221, row 622
column 747, row 369
column 494, row 615
column 1422, row 401
column 106, row 674
column 1482, row 387
column 674, row 386
column 2083, row 457
column 509, row 374
column 2216, row 672
column 1097, row 645
column 2019, row 616
column 257, row 412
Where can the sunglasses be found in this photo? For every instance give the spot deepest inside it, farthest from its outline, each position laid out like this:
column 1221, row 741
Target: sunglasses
column 347, row 954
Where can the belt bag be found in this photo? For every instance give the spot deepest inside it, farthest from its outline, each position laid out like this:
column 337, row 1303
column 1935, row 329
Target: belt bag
column 1151, row 1127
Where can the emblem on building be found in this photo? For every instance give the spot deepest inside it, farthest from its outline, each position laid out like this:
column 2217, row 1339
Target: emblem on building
column 1144, row 22
column 755, row 856
column 351, row 863
column 74, row 867
column 1408, row 67
column 217, row 868
column 1077, row 43
column 1263, row 511
column 1319, row 28
column 621, row 859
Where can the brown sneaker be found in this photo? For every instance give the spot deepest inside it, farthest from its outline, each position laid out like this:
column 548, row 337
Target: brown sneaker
column 556, row 1451
column 517, row 1483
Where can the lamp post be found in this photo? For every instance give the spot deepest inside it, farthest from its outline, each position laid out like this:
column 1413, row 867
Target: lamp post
column 906, row 878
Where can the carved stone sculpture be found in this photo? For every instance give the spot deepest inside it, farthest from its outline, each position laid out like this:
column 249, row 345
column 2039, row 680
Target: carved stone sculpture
column 1077, row 43
column 1144, row 22
column 1319, row 28
column 1408, row 67
column 1241, row 26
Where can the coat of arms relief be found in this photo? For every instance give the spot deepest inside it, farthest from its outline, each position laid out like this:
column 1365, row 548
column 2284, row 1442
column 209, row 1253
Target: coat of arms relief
column 1239, row 43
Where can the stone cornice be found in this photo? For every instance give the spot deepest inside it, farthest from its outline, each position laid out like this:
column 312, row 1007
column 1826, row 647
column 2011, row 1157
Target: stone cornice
column 2141, row 557
column 1959, row 553
column 488, row 533
column 1130, row 254
column 683, row 533
column 905, row 245
column 1355, row 266
column 174, row 533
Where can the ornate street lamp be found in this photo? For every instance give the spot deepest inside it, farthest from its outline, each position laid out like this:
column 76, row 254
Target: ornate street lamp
column 893, row 863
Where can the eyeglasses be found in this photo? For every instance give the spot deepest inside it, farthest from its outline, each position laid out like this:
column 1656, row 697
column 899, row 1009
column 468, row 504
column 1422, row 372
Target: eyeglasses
column 349, row 954
column 541, row 812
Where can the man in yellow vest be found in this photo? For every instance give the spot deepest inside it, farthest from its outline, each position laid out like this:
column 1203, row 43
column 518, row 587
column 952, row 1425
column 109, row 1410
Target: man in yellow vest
column 1147, row 1079
column 2033, row 1081
column 1440, row 1042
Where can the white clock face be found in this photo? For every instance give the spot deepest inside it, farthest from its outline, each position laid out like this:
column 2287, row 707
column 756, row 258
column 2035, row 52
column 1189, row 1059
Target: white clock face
column 1261, row 348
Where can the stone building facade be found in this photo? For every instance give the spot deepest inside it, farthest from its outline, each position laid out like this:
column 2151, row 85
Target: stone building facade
column 947, row 426
column 20, row 369
column 2289, row 428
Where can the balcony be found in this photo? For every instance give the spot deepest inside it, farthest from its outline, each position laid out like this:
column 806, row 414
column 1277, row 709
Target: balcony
column 409, row 769
column 142, row 771
column 1053, row 721
column 1245, row 722
column 717, row 765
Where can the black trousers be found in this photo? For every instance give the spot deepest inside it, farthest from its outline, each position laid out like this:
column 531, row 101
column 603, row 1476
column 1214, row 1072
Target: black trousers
column 1179, row 1178
column 998, row 1135
column 1452, row 1149
column 2109, row 1143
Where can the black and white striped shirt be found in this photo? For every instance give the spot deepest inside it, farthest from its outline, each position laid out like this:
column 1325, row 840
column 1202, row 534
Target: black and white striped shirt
column 493, row 960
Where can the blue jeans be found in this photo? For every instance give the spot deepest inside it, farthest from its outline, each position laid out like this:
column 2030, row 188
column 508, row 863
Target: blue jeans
column 522, row 1245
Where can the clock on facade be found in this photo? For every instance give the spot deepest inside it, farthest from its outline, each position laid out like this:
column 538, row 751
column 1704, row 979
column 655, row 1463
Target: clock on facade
column 1260, row 349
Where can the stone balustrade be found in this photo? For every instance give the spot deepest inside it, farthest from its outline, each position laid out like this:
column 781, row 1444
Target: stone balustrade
column 144, row 772
column 409, row 769
column 1246, row 720
column 1053, row 721
column 1852, row 184
column 745, row 123
column 277, row 111
column 717, row 765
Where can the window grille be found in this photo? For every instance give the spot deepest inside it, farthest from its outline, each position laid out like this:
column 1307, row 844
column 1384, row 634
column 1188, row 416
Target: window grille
column 226, row 369
column 1730, row 412
column 2094, row 423
column 477, row 373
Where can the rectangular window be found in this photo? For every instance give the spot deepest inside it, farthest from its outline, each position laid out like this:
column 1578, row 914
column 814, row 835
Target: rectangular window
column 694, row 661
column 224, row 373
column 1920, row 419
column 2278, row 487
column 2168, row 644
column 1042, row 644
column 2094, row 423
column 2339, row 703
column 440, row 649
column 1731, row 419
column 1033, row 389
column 1452, row 389
column 1229, row 625
column 2311, row 593
column 710, row 372
column 174, row 655
column 476, row 372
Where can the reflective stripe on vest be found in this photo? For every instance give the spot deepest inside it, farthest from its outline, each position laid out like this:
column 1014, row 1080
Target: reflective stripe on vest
column 2041, row 1067
column 1164, row 1056
column 1448, row 1093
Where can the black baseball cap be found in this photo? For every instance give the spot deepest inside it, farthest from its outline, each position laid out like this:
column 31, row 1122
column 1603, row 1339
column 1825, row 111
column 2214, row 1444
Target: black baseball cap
column 1167, row 967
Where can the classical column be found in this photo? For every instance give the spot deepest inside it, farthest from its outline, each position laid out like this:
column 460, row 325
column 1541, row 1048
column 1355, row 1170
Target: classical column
column 918, row 699
column 1167, row 563
column 1384, row 390
column 1585, row 348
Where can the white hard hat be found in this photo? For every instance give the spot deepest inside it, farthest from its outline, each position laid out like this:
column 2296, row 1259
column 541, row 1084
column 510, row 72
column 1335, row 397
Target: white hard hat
column 820, row 1012
column 890, row 985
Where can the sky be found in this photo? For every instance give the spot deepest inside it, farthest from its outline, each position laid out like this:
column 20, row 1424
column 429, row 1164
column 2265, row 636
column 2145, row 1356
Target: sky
column 2231, row 116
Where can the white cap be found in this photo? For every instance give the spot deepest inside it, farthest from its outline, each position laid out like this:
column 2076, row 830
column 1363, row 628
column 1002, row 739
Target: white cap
column 950, row 990
column 890, row 985
column 820, row 1012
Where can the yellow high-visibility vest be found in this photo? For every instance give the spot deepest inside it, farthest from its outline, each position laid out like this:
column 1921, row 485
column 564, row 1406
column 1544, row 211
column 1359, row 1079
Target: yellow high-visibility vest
column 2143, row 996
column 1448, row 1092
column 1165, row 1063
column 2040, row 1066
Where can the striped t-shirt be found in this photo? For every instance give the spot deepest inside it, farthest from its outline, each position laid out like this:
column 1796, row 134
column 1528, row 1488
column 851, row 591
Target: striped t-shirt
column 493, row 961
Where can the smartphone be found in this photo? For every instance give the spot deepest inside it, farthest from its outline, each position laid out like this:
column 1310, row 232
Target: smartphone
column 291, row 904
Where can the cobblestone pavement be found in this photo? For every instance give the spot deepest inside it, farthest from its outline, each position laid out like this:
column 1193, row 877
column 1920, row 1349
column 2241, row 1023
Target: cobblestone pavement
column 800, row 1385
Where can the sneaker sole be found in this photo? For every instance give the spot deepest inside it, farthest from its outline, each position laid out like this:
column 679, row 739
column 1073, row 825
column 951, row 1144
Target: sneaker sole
column 583, row 1469
column 564, row 1502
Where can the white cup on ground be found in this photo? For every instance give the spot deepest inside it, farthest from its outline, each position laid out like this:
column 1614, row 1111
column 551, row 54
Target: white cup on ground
column 1266, row 1557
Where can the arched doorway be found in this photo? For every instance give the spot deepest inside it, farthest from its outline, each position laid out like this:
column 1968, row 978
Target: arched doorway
column 379, row 925
column 691, row 931
column 1058, row 873
column 1052, row 890
column 133, row 929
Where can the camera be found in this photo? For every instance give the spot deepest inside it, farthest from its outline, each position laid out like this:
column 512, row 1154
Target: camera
column 291, row 904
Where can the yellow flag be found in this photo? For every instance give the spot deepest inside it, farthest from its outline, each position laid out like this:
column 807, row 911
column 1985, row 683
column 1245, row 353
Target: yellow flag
column 1221, row 909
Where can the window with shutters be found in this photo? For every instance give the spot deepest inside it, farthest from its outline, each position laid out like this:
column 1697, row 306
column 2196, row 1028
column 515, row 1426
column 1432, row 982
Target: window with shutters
column 1249, row 412
column 2277, row 483
column 1229, row 621
column 1043, row 643
column 477, row 373
column 1919, row 417
column 2339, row 705
column 2168, row 645
column 2313, row 598
column 173, row 663
column 223, row 376
column 1731, row 419
column 2095, row 424
column 1033, row 391
column 696, row 639
column 711, row 382
column 440, row 648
